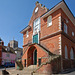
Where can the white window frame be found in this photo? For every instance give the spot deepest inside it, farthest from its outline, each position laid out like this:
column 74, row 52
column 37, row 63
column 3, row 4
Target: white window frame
column 65, row 28
column 66, row 52
column 36, row 10
column 71, row 54
column 36, row 26
column 49, row 21
column 27, row 34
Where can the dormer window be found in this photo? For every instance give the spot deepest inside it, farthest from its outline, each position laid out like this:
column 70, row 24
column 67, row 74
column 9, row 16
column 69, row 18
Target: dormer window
column 27, row 34
column 7, row 49
column 49, row 21
column 16, row 52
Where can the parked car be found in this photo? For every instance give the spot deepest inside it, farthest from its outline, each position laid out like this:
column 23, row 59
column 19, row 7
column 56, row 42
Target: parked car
column 9, row 64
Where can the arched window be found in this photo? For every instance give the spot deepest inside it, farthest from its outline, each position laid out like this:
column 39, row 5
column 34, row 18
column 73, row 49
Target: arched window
column 71, row 54
column 49, row 21
column 66, row 53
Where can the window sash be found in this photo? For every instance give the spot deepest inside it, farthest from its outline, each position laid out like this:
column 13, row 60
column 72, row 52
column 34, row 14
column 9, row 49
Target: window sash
column 71, row 54
column 36, row 25
column 65, row 28
column 49, row 21
column 66, row 52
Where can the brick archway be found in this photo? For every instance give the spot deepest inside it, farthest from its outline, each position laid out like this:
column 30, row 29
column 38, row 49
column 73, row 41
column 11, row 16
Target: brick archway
column 31, row 56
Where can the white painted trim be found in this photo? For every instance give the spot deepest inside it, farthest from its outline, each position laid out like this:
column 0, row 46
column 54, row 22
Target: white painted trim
column 38, row 38
column 59, row 22
column 60, row 46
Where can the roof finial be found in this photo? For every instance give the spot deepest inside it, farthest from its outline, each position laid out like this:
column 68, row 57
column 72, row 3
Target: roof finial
column 63, row 0
column 37, row 2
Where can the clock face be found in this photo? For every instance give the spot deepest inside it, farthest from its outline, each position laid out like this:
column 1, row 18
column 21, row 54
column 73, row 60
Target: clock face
column 36, row 10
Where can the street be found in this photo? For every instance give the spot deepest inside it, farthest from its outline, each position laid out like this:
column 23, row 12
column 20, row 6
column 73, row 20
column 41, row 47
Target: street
column 12, row 69
column 8, row 69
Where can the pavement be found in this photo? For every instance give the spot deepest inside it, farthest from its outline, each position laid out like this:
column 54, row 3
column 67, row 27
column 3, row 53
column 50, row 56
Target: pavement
column 8, row 69
column 22, row 72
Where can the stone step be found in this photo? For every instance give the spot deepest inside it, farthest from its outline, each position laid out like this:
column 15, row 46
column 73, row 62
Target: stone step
column 25, row 71
column 32, row 67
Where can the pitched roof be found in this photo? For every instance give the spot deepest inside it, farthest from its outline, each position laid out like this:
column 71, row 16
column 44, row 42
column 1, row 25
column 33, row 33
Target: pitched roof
column 18, row 49
column 25, row 29
column 11, row 50
column 64, row 7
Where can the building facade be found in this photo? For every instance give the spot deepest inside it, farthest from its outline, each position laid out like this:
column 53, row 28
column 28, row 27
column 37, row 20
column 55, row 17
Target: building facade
column 7, row 54
column 50, row 32
column 18, row 51
column 13, row 44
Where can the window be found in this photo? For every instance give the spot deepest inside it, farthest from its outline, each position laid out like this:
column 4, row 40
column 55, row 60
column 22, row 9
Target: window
column 39, row 62
column 7, row 55
column 27, row 34
column 49, row 21
column 67, row 21
column 65, row 28
column 16, row 52
column 72, row 33
column 66, row 54
column 36, row 26
column 71, row 54
column 21, row 53
column 36, row 10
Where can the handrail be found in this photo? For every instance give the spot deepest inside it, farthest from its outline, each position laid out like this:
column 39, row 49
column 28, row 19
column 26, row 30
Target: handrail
column 50, row 59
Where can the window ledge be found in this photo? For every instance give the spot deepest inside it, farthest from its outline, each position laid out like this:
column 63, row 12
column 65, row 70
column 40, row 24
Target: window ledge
column 49, row 25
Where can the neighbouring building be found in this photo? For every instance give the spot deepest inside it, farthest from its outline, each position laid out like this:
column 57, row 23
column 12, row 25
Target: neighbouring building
column 18, row 51
column 50, row 34
column 7, row 54
column 13, row 44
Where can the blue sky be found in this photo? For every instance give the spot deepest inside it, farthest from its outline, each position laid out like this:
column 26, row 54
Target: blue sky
column 15, row 15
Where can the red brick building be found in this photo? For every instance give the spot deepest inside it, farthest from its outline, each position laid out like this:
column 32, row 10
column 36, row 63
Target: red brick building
column 1, row 44
column 50, row 33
